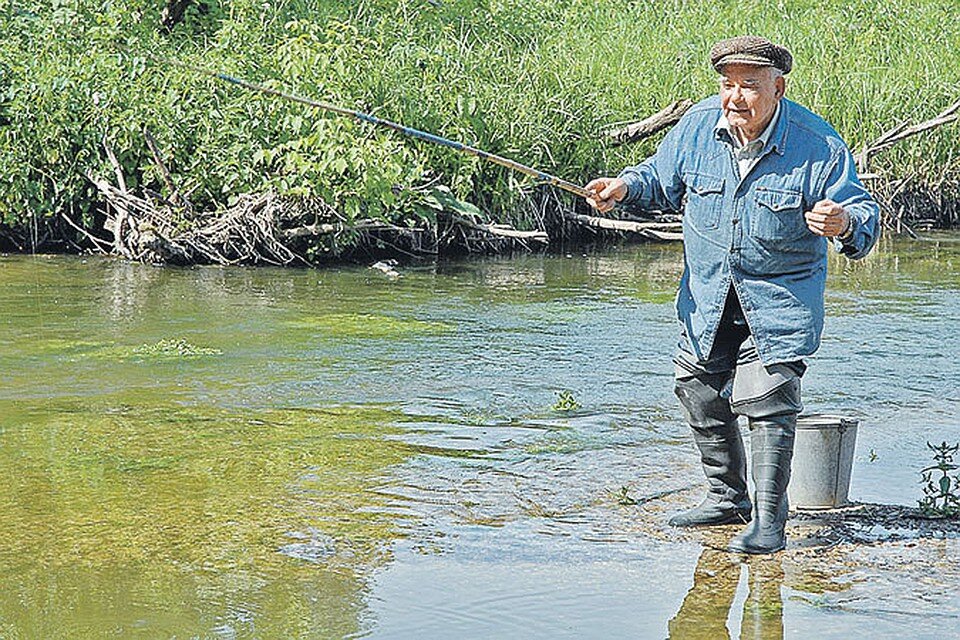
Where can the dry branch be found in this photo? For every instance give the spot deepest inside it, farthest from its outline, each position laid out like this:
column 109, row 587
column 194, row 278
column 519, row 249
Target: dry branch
column 653, row 230
column 502, row 230
column 247, row 232
column 902, row 132
column 898, row 202
column 649, row 126
column 328, row 228
column 175, row 198
column 94, row 240
column 270, row 229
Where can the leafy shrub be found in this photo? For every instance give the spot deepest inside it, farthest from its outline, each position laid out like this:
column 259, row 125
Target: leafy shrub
column 536, row 81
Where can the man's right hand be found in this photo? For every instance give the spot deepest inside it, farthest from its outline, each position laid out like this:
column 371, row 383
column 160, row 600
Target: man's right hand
column 607, row 193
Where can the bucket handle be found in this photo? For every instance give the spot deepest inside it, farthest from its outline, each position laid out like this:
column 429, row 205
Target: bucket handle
column 846, row 423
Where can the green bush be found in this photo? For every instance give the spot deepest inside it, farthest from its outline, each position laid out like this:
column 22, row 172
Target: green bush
column 535, row 81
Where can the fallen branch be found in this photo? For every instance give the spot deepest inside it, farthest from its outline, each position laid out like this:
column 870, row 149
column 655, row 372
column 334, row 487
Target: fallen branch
column 175, row 198
column 503, row 231
column 902, row 132
column 649, row 126
column 96, row 242
column 654, row 230
column 121, row 218
column 320, row 229
column 257, row 229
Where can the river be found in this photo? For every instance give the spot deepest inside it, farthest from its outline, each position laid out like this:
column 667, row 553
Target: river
column 484, row 448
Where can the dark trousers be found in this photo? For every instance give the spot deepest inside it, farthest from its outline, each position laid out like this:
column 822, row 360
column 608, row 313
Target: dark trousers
column 732, row 380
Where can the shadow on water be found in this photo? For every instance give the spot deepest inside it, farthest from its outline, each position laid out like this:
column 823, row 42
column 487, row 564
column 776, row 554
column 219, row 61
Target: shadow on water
column 230, row 453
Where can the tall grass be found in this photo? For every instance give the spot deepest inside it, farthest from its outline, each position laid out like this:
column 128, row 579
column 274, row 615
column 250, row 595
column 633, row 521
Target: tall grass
column 536, row 80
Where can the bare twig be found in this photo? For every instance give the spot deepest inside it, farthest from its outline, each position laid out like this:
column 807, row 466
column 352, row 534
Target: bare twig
column 96, row 242
column 117, row 169
column 175, row 198
column 503, row 231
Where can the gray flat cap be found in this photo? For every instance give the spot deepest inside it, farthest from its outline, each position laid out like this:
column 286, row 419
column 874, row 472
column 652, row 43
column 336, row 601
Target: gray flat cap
column 752, row 50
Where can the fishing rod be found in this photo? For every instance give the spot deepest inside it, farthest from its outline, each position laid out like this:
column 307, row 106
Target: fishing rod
column 540, row 176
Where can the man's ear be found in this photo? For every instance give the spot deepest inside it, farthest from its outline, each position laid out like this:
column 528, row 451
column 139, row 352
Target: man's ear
column 781, row 85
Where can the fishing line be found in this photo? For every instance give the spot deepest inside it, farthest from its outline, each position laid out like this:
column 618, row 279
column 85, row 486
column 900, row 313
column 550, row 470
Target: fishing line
column 540, row 176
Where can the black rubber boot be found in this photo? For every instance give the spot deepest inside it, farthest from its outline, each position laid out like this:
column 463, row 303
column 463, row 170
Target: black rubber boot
column 717, row 436
column 771, row 444
column 725, row 466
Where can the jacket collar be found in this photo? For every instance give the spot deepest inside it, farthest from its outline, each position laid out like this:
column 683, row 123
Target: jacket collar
column 774, row 137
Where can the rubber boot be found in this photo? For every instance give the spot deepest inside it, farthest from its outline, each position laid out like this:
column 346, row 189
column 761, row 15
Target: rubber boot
column 725, row 466
column 771, row 443
column 717, row 436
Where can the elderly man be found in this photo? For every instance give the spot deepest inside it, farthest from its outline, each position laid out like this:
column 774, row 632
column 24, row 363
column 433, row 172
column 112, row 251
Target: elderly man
column 763, row 183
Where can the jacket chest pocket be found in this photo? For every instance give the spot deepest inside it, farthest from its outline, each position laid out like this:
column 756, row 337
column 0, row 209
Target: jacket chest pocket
column 778, row 215
column 704, row 200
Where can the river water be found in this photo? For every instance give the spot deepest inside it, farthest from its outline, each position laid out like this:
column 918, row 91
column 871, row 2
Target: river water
column 480, row 449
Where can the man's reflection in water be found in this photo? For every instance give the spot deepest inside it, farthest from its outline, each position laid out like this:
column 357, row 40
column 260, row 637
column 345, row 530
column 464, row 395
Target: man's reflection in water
column 704, row 612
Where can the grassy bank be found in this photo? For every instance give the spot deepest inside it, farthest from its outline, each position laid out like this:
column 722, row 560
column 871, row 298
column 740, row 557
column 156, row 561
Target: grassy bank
column 536, row 81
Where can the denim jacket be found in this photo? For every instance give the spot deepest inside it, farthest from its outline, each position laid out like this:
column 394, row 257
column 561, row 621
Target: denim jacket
column 750, row 232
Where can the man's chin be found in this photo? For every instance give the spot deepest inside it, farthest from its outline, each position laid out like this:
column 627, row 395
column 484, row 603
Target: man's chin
column 736, row 120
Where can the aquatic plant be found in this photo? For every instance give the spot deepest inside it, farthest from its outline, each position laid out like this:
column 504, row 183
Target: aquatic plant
column 941, row 491
column 623, row 497
column 367, row 325
column 174, row 349
column 566, row 401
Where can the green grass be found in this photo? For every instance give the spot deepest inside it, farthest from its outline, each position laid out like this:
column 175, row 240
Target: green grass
column 536, row 81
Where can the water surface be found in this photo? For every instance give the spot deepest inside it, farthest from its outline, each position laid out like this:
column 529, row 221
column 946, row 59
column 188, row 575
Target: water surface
column 230, row 452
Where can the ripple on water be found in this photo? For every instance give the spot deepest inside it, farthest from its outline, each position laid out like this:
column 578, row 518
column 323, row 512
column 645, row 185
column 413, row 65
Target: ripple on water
column 365, row 456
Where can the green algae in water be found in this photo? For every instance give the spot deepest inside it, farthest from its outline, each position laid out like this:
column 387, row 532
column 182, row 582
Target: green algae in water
column 174, row 349
column 183, row 506
column 163, row 351
column 364, row 325
column 64, row 346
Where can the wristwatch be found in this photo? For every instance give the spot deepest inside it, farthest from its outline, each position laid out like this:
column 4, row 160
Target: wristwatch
column 848, row 232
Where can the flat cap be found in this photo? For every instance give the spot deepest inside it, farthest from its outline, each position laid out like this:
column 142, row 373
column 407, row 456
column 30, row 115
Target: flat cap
column 752, row 50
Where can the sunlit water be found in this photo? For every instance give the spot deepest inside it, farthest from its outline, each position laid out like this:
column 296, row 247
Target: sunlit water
column 232, row 453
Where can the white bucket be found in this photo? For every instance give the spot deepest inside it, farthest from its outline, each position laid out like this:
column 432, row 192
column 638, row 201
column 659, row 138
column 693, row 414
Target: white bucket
column 822, row 461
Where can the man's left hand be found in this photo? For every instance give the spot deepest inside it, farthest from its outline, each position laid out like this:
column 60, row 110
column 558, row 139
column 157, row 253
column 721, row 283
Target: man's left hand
column 827, row 219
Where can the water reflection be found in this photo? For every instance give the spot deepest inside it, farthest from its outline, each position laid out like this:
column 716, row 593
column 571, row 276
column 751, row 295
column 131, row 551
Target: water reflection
column 707, row 606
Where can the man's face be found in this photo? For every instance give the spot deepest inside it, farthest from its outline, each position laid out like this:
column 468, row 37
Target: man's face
column 748, row 97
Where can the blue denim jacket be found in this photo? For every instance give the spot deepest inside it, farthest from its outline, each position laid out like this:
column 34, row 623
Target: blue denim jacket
column 750, row 233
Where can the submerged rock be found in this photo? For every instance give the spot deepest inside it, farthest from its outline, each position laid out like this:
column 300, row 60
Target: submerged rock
column 387, row 267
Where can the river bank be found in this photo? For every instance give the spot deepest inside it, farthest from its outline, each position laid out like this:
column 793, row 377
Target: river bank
column 120, row 101
column 269, row 230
